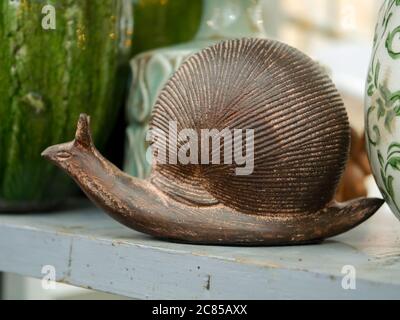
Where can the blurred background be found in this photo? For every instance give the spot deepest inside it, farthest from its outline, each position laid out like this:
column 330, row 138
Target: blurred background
column 337, row 33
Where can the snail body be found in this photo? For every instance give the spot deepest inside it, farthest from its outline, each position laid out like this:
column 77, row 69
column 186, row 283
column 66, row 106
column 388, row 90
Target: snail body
column 301, row 144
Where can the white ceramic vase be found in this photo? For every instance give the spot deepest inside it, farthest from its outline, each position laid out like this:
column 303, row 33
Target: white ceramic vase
column 382, row 105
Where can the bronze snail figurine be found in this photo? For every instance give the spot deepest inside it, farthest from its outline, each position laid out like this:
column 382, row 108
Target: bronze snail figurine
column 301, row 144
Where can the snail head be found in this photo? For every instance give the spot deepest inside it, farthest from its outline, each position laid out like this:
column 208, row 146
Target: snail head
column 67, row 154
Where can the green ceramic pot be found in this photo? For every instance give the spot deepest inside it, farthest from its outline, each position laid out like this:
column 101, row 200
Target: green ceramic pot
column 160, row 23
column 50, row 72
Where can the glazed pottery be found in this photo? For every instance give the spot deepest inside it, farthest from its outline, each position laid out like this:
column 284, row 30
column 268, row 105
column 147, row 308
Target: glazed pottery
column 222, row 19
column 160, row 23
column 382, row 105
column 49, row 73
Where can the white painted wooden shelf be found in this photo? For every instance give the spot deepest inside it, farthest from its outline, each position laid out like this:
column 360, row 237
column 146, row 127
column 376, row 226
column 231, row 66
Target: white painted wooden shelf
column 89, row 249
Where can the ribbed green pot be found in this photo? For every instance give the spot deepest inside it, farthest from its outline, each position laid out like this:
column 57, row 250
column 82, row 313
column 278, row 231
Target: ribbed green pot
column 49, row 77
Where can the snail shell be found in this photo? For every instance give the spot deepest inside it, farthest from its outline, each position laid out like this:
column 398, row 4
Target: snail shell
column 300, row 125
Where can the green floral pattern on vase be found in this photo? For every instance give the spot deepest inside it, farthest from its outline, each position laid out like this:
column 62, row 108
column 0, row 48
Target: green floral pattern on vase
column 382, row 104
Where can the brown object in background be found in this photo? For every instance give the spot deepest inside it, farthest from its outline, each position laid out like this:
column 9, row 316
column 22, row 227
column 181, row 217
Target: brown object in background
column 353, row 182
column 301, row 140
